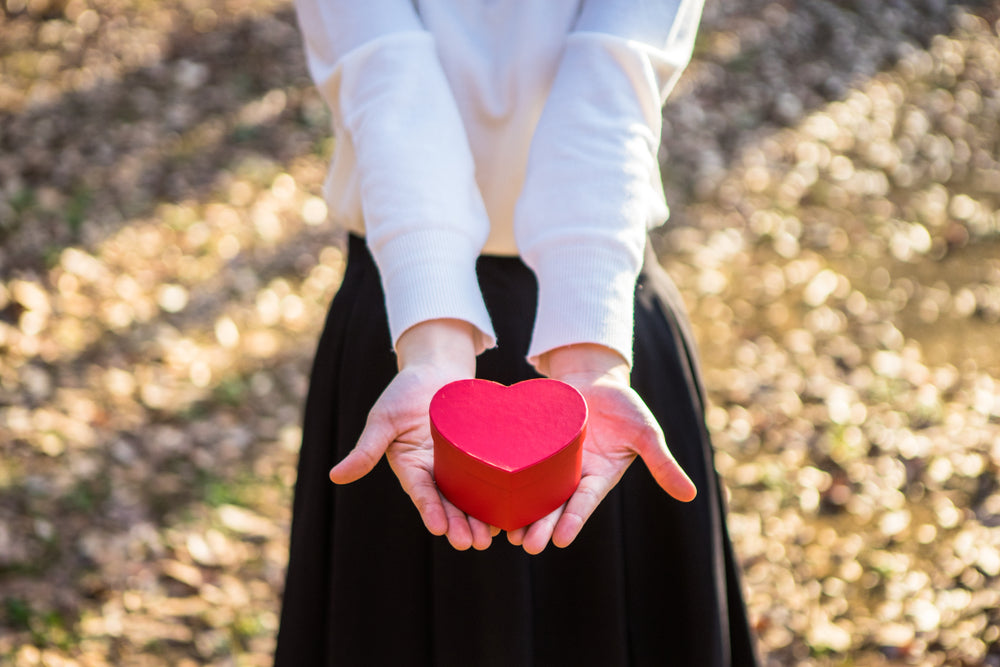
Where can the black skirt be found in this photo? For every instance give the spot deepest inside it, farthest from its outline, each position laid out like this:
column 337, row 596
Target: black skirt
column 649, row 580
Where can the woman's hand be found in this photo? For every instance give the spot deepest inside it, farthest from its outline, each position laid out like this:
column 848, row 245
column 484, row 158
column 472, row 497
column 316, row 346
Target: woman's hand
column 431, row 355
column 619, row 428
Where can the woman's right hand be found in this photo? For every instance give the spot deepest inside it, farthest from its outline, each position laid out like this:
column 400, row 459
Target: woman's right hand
column 431, row 354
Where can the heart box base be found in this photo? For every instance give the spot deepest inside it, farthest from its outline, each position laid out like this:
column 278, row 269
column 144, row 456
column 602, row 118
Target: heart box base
column 508, row 456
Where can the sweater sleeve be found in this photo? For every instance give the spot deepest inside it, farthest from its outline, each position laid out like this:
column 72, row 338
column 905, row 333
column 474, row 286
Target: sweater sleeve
column 592, row 188
column 425, row 221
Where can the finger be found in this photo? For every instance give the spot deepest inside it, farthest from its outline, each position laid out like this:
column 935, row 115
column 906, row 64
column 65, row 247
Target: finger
column 428, row 502
column 481, row 534
column 419, row 485
column 583, row 502
column 539, row 533
column 459, row 534
column 494, row 531
column 665, row 470
column 516, row 536
column 374, row 440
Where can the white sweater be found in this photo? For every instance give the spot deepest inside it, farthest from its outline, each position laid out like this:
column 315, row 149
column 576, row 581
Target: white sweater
column 504, row 127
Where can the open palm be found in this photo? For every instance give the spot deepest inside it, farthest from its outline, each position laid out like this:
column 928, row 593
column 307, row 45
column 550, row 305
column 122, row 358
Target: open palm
column 398, row 427
column 620, row 427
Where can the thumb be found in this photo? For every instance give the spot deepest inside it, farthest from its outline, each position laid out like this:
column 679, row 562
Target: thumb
column 665, row 470
column 374, row 440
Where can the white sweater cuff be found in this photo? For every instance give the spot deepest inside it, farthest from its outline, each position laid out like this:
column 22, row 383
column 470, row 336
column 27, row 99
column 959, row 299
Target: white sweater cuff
column 431, row 274
column 586, row 294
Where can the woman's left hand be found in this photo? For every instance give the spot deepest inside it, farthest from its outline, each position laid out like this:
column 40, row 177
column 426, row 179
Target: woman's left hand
column 620, row 427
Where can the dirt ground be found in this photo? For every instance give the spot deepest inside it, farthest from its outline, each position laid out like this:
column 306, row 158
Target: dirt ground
column 833, row 169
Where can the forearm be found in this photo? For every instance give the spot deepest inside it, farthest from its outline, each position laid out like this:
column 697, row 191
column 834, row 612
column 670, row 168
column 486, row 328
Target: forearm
column 592, row 188
column 412, row 170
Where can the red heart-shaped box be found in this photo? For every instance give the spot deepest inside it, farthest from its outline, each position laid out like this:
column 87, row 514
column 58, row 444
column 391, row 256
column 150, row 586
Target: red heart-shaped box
column 508, row 455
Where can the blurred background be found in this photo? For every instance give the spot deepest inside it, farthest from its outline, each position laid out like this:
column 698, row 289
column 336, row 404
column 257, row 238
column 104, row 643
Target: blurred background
column 833, row 168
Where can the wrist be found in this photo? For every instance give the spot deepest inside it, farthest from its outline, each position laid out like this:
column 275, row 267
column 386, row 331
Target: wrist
column 583, row 360
column 443, row 343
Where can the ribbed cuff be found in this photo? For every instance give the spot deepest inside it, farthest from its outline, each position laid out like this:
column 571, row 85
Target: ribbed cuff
column 586, row 295
column 431, row 274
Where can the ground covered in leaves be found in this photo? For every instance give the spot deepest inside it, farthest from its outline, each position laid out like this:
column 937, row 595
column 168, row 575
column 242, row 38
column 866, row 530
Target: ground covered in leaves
column 834, row 173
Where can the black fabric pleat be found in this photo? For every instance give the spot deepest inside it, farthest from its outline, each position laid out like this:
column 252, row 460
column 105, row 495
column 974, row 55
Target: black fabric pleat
column 649, row 581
